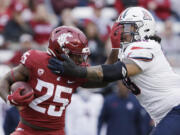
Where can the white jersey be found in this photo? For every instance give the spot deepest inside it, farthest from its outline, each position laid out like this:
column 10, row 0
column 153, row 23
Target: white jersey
column 159, row 85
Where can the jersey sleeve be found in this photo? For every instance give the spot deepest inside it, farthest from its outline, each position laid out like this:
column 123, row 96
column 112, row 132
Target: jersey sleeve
column 142, row 56
column 27, row 59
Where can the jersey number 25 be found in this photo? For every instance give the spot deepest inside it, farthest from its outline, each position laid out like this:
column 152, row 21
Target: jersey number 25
column 56, row 98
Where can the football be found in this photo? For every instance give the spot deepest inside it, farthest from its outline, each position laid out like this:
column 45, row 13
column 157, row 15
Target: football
column 16, row 85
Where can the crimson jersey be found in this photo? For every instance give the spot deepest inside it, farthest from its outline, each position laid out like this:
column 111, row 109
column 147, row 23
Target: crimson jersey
column 52, row 93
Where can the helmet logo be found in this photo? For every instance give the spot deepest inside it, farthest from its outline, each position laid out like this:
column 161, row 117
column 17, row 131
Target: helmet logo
column 146, row 16
column 62, row 39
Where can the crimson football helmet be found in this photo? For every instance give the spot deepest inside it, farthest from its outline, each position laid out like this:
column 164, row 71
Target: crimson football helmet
column 68, row 40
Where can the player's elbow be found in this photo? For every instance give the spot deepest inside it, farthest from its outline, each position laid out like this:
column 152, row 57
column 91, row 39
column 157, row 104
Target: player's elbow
column 132, row 69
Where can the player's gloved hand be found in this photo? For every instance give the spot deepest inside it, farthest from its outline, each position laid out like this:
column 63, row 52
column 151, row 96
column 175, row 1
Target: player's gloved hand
column 66, row 67
column 19, row 99
column 116, row 36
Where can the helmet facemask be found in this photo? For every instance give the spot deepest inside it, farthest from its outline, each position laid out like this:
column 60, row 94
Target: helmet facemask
column 80, row 58
column 130, row 32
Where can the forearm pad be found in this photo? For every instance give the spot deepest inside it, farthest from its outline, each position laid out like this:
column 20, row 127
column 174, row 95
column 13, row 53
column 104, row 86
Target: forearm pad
column 114, row 72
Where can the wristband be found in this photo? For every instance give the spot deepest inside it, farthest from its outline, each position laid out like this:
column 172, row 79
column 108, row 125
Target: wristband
column 114, row 72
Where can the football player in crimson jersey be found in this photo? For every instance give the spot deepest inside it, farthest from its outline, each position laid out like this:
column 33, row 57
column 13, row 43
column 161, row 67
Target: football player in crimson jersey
column 45, row 113
column 142, row 66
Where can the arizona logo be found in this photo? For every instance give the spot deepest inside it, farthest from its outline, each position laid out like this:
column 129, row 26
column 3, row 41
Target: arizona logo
column 146, row 16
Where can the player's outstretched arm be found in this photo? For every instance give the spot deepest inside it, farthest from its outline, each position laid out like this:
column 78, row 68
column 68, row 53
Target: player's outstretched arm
column 19, row 73
column 100, row 73
column 112, row 72
column 112, row 58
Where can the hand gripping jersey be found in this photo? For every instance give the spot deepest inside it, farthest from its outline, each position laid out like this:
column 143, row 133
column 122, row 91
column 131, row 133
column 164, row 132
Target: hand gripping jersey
column 157, row 87
column 52, row 93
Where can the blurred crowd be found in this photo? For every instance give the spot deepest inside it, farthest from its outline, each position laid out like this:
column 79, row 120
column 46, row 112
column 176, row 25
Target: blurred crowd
column 26, row 24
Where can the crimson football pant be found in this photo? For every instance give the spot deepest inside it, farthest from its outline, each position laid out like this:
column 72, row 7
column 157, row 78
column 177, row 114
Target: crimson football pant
column 170, row 124
column 25, row 130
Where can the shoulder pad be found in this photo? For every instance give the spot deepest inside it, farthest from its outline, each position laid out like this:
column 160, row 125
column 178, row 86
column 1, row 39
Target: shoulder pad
column 149, row 44
column 140, row 54
column 29, row 57
column 145, row 44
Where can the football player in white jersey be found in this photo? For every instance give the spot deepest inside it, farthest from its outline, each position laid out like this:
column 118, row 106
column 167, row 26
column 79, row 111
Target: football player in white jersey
column 138, row 60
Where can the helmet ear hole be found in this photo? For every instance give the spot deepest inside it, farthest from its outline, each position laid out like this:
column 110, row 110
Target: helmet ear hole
column 146, row 30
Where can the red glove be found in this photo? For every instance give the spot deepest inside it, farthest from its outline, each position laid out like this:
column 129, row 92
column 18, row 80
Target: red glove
column 116, row 35
column 17, row 99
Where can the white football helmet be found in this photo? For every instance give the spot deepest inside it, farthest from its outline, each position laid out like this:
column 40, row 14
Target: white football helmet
column 142, row 20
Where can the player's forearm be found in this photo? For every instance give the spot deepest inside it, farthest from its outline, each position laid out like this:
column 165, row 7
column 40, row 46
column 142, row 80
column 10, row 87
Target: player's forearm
column 113, row 57
column 107, row 73
column 95, row 73
column 100, row 73
column 4, row 88
column 5, row 84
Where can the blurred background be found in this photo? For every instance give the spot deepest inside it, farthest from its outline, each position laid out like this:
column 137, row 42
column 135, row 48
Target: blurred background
column 26, row 24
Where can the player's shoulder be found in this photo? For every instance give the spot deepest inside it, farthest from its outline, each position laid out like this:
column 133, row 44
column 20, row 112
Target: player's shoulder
column 32, row 56
column 144, row 45
column 34, row 52
column 143, row 50
column 37, row 54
